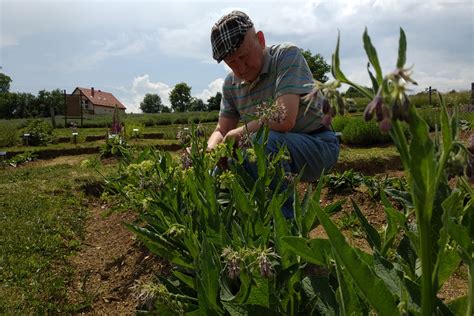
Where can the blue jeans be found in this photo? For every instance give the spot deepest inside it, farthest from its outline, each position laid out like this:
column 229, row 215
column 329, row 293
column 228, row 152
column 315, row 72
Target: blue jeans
column 314, row 152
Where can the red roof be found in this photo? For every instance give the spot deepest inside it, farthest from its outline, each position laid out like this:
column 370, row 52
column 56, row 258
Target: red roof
column 101, row 98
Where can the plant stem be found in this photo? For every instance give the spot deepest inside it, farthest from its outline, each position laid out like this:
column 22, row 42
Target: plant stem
column 427, row 299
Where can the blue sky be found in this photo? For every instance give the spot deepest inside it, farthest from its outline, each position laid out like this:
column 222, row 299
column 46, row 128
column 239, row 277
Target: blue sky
column 131, row 48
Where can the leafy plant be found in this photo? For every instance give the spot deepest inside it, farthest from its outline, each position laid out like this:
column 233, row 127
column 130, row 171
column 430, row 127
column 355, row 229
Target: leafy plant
column 343, row 182
column 40, row 132
column 443, row 215
column 22, row 158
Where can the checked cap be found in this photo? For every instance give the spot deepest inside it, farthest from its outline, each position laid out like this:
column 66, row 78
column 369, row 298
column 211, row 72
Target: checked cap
column 228, row 34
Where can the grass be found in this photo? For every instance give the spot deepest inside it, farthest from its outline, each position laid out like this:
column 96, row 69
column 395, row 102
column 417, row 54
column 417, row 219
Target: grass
column 42, row 224
column 348, row 154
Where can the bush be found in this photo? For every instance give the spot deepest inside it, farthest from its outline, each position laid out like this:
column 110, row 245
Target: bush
column 8, row 134
column 356, row 131
column 41, row 133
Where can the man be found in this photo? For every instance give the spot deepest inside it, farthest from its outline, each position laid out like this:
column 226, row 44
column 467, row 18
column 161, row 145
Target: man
column 261, row 73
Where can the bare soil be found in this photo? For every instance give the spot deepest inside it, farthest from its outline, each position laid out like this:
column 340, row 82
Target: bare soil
column 109, row 265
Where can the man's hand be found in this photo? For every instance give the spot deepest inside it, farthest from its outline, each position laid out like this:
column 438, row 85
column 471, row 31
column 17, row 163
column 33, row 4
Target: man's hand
column 234, row 135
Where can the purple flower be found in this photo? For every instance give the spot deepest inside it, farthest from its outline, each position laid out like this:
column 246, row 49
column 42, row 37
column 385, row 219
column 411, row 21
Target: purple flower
column 374, row 106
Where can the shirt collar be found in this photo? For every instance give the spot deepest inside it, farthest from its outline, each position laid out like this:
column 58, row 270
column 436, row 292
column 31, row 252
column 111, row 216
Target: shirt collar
column 265, row 69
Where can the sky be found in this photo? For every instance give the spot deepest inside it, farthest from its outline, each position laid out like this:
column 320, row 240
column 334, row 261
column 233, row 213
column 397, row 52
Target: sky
column 131, row 48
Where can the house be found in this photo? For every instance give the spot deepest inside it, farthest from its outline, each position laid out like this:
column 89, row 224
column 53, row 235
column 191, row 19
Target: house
column 97, row 101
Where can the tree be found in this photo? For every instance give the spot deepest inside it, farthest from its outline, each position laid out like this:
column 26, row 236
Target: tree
column 151, row 103
column 214, row 103
column 4, row 83
column 197, row 105
column 166, row 109
column 180, row 97
column 354, row 93
column 317, row 64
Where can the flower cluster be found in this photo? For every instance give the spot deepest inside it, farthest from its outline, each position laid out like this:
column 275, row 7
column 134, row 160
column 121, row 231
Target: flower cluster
column 270, row 112
column 233, row 260
column 184, row 136
column 186, row 161
column 391, row 101
column 246, row 140
column 258, row 259
column 148, row 292
column 326, row 98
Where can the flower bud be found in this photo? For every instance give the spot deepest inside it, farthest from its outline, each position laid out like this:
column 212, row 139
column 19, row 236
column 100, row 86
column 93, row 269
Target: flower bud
column 266, row 269
column 369, row 110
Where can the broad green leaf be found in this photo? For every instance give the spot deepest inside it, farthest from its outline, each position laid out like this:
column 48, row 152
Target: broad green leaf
column 241, row 200
column 375, row 291
column 459, row 306
column 422, row 167
column 373, row 236
column 259, row 293
column 347, row 293
column 235, row 309
column 319, row 292
column 372, row 55
column 312, row 250
column 160, row 246
column 395, row 221
column 208, row 278
column 402, row 48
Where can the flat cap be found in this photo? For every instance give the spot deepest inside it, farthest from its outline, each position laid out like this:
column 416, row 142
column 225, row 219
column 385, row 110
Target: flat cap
column 228, row 34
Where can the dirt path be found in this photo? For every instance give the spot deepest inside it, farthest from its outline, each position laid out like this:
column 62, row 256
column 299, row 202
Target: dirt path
column 109, row 264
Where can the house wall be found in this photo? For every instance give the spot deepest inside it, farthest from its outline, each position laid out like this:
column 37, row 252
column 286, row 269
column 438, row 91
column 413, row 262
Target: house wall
column 105, row 110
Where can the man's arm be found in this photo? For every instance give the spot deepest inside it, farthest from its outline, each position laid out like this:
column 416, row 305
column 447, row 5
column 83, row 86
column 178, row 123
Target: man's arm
column 291, row 104
column 224, row 125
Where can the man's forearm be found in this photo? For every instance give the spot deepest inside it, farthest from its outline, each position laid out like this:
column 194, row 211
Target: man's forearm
column 215, row 139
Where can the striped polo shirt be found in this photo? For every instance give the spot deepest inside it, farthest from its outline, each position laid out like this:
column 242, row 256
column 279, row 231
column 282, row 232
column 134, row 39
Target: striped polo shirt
column 284, row 71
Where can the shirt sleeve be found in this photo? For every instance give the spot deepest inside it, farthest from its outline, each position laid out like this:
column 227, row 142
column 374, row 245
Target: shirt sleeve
column 293, row 73
column 228, row 108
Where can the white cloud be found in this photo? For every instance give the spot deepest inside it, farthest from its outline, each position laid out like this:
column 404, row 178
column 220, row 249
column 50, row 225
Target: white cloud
column 214, row 87
column 122, row 45
column 140, row 86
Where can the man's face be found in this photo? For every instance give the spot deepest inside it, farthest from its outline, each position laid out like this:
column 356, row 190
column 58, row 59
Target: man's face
column 246, row 62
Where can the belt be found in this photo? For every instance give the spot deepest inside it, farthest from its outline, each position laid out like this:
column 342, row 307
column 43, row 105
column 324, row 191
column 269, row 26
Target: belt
column 323, row 128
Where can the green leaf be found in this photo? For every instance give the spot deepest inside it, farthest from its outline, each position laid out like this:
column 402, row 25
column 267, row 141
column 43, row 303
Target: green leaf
column 372, row 235
column 422, row 167
column 259, row 293
column 375, row 291
column 208, row 278
column 372, row 55
column 312, row 250
column 402, row 48
column 395, row 221
column 160, row 246
column 375, row 84
column 321, row 295
column 186, row 279
column 241, row 200
column 459, row 306
column 339, row 75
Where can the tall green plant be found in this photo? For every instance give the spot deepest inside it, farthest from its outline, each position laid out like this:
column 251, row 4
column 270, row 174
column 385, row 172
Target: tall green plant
column 438, row 207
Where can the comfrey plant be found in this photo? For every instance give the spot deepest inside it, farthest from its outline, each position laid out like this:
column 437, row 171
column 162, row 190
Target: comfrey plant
column 442, row 237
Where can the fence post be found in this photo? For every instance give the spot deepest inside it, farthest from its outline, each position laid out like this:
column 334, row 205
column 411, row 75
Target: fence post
column 472, row 94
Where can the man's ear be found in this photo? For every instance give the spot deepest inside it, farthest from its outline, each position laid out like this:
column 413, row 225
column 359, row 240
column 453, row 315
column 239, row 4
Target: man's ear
column 261, row 38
